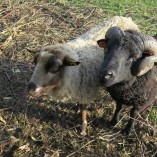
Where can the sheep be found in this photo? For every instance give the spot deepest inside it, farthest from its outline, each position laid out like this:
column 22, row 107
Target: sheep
column 70, row 71
column 126, row 52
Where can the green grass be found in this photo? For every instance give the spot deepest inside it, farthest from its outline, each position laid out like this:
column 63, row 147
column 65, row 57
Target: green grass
column 142, row 11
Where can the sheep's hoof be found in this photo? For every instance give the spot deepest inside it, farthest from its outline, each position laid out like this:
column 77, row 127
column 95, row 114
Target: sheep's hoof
column 83, row 133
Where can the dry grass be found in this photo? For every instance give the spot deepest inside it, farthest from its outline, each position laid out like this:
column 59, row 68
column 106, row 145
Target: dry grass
column 41, row 127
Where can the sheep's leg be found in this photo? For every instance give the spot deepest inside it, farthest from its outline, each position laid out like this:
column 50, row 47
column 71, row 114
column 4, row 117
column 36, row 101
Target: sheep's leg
column 133, row 114
column 115, row 118
column 84, row 120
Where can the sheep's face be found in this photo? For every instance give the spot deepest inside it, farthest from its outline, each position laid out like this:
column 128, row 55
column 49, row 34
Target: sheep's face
column 49, row 70
column 118, row 61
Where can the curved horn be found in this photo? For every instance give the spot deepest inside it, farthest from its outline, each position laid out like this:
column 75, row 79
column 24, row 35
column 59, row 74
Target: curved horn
column 143, row 66
column 148, row 45
column 114, row 32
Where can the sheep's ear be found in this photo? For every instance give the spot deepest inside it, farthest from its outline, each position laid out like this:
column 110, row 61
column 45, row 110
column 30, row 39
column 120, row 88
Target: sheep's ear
column 33, row 51
column 68, row 61
column 102, row 43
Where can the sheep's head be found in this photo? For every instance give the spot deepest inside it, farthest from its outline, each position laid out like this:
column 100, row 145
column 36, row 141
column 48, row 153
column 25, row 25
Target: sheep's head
column 127, row 53
column 50, row 63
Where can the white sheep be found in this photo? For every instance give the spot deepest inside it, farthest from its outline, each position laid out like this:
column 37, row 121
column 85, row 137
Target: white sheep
column 71, row 70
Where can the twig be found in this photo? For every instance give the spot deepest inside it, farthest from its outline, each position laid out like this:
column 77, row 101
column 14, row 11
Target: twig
column 144, row 123
column 140, row 144
column 90, row 13
column 8, row 13
column 51, row 13
column 154, row 154
column 9, row 108
column 80, row 148
column 109, row 137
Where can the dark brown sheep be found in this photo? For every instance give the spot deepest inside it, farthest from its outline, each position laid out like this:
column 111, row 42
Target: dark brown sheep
column 128, row 71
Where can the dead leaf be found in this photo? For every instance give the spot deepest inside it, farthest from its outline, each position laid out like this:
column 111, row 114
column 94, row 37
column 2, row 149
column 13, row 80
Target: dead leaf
column 25, row 147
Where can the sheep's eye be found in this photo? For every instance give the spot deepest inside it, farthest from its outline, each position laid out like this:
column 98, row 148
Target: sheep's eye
column 54, row 69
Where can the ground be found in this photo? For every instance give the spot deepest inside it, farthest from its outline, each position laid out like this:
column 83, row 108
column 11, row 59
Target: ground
column 44, row 128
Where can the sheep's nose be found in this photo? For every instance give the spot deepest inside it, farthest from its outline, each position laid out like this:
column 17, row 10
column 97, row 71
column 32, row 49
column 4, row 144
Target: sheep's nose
column 31, row 86
column 108, row 75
